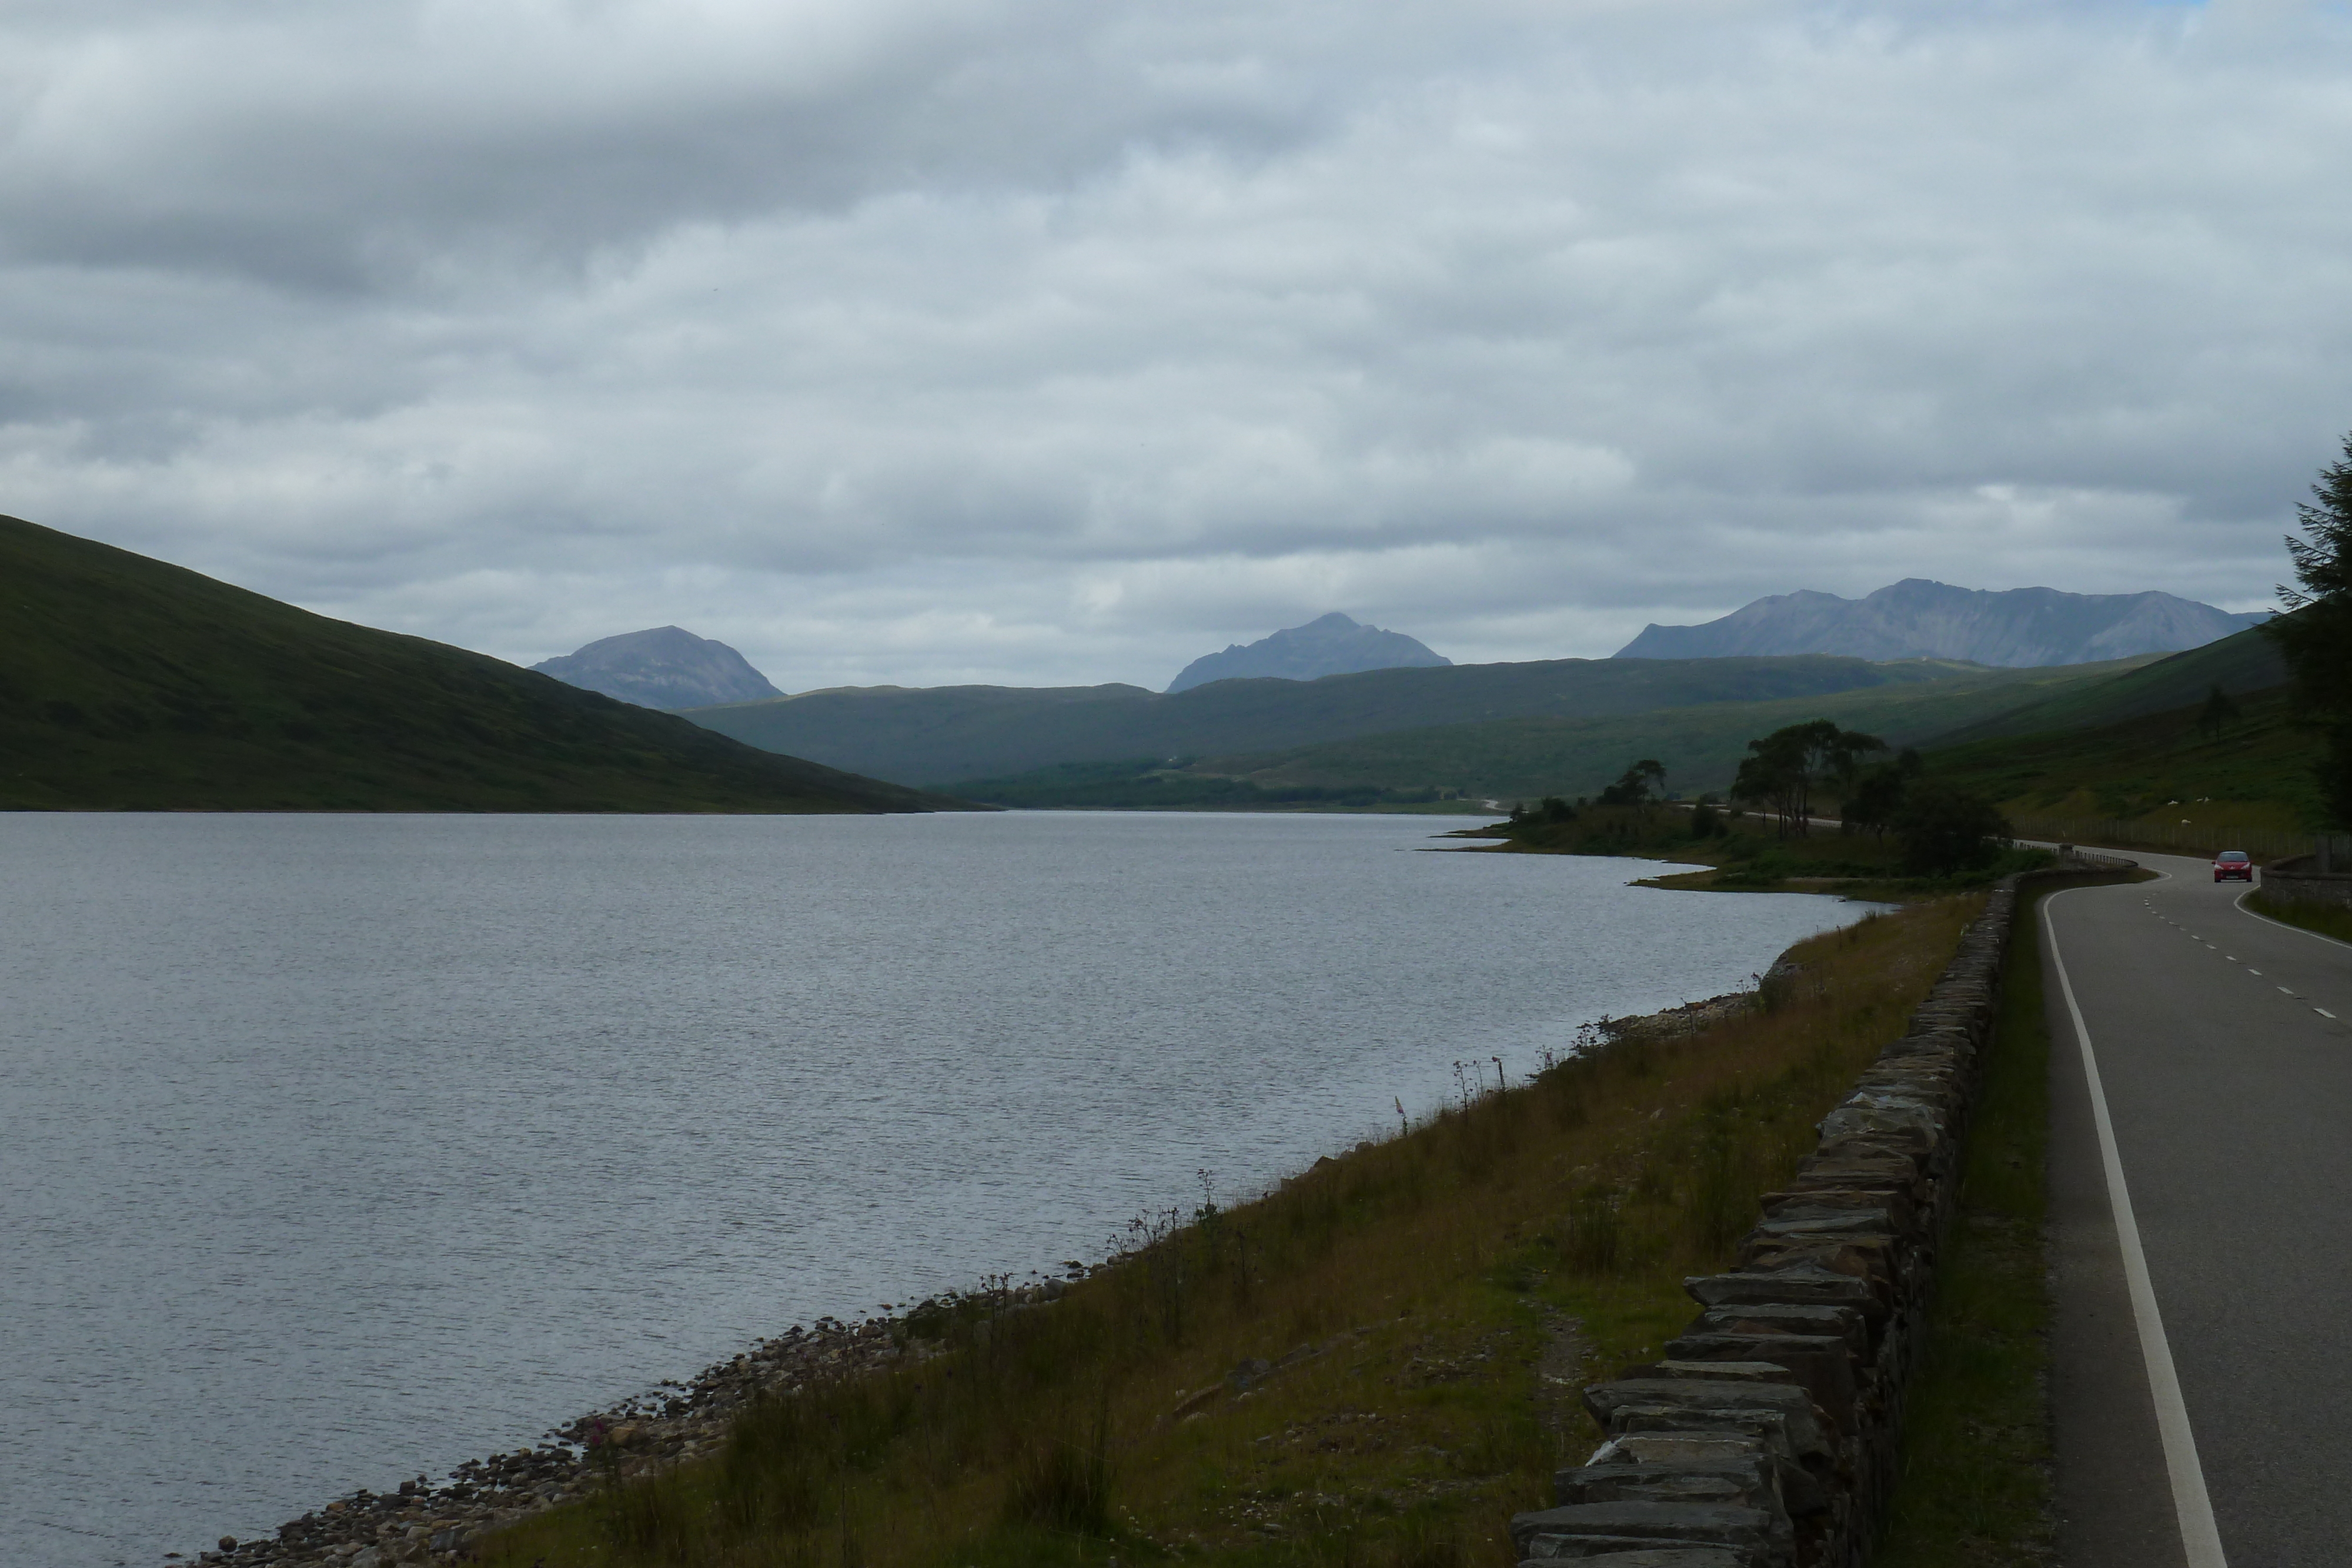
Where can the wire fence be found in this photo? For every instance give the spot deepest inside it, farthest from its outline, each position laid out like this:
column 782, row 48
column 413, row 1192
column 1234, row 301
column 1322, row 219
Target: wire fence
column 2187, row 838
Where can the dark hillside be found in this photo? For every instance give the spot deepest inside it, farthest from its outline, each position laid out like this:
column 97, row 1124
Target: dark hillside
column 2164, row 770
column 2246, row 663
column 975, row 732
column 127, row 683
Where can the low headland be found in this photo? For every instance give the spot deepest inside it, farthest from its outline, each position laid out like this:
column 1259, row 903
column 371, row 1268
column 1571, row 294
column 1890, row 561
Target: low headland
column 1375, row 1363
column 1744, row 852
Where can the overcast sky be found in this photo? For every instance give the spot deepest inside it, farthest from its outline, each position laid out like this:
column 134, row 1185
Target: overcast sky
column 1047, row 341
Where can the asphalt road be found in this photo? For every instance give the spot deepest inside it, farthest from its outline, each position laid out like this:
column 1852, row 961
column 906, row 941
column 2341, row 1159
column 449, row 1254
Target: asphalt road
column 2222, row 1047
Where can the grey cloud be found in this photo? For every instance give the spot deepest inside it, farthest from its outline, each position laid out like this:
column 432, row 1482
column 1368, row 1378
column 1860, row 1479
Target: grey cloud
column 951, row 340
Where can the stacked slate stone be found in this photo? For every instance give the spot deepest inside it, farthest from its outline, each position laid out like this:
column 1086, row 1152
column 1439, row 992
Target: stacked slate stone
column 1767, row 1438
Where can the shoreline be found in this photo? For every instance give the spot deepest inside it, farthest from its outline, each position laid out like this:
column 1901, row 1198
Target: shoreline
column 422, row 1522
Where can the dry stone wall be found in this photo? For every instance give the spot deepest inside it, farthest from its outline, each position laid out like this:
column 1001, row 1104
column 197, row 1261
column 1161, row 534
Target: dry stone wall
column 2302, row 880
column 1768, row 1434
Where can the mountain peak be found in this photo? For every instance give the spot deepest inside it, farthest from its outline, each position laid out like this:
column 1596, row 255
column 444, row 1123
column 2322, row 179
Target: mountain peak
column 1919, row 619
column 664, row 667
column 1332, row 644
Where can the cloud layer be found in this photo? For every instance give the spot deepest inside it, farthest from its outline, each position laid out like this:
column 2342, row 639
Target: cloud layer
column 928, row 340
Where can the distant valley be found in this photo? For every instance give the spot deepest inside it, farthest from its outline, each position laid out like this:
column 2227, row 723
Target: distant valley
column 2109, row 740
column 929, row 736
column 1431, row 731
column 1527, row 756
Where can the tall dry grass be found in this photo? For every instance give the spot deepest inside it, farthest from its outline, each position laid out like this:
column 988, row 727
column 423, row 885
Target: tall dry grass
column 1372, row 1365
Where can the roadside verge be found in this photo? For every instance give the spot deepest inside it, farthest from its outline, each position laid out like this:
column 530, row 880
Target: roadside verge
column 1771, row 1431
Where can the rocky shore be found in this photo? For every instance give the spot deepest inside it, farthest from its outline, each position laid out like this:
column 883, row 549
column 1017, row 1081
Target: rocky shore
column 423, row 1523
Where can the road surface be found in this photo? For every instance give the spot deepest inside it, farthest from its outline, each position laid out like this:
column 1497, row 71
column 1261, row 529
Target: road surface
column 2222, row 1053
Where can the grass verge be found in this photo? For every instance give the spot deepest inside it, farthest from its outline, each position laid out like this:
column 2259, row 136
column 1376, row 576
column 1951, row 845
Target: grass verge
column 2327, row 919
column 1375, row 1366
column 1976, row 1487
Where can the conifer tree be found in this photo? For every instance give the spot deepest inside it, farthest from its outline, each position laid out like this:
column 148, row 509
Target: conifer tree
column 2316, row 635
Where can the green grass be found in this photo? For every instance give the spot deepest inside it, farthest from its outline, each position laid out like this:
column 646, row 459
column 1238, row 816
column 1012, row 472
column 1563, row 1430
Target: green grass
column 127, row 683
column 1976, row 1478
column 2155, row 769
column 2327, row 919
column 1422, row 1284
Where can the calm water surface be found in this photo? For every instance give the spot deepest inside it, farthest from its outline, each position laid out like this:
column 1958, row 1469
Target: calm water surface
column 338, row 1149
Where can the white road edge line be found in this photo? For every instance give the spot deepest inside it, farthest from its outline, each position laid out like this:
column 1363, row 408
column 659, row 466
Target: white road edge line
column 2239, row 904
column 2200, row 1539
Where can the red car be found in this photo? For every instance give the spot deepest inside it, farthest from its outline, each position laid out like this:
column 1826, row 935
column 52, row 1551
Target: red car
column 2232, row 862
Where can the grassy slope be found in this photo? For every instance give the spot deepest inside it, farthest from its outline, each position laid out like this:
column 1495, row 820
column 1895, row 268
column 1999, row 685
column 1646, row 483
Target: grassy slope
column 1451, row 1287
column 2154, row 769
column 1527, row 758
column 129, row 684
column 976, row 732
column 2247, row 662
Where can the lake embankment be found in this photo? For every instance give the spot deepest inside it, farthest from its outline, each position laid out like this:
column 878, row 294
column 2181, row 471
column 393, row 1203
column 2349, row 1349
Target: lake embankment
column 1375, row 1362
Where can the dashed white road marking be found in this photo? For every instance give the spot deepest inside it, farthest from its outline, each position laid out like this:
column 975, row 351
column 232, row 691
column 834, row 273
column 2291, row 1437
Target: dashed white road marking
column 2323, row 1012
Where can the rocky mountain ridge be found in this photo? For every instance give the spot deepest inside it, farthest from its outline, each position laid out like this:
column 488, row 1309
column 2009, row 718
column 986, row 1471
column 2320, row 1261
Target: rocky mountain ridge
column 666, row 667
column 1330, row 644
column 2017, row 628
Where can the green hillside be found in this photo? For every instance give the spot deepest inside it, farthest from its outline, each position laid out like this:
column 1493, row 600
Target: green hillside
column 1521, row 758
column 971, row 732
column 2154, row 769
column 2246, row 663
column 126, row 684
column 2133, row 759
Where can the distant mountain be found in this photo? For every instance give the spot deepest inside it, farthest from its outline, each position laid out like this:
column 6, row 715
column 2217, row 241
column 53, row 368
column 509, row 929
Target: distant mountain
column 1332, row 645
column 130, row 685
column 1915, row 619
column 923, row 736
column 667, row 667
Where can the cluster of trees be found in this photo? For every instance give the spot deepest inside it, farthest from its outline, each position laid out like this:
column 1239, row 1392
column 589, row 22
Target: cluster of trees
column 1638, row 785
column 2316, row 635
column 1781, row 770
column 1942, row 827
